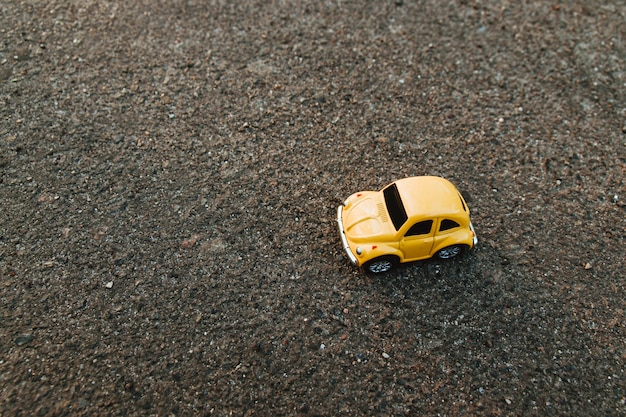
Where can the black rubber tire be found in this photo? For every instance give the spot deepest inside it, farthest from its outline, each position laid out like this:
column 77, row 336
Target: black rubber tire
column 381, row 265
column 450, row 252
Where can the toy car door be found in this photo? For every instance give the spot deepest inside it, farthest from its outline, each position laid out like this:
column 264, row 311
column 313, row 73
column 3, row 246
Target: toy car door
column 418, row 240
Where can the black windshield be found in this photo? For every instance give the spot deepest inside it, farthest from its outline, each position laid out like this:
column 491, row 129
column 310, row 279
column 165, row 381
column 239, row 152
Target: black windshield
column 395, row 208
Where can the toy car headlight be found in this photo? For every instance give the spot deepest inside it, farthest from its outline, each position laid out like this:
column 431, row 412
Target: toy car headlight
column 359, row 251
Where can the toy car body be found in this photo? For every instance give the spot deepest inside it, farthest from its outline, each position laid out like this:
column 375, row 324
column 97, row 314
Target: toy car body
column 411, row 219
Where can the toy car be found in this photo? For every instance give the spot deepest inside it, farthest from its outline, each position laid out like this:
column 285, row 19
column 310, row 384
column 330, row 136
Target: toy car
column 411, row 219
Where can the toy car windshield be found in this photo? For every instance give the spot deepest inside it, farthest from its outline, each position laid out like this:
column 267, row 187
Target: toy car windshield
column 395, row 207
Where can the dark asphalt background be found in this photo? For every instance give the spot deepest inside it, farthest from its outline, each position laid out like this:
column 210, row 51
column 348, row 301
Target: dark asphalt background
column 169, row 174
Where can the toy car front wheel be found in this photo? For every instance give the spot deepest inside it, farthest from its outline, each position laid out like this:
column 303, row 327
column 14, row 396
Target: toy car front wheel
column 450, row 252
column 381, row 265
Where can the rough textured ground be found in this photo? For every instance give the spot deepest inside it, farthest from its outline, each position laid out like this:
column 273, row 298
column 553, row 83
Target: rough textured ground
column 169, row 173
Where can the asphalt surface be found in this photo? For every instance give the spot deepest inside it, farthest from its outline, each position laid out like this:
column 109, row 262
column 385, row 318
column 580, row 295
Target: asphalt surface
column 169, row 177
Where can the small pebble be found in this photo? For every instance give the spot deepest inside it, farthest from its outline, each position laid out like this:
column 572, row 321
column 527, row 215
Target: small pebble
column 109, row 284
column 23, row 339
column 385, row 355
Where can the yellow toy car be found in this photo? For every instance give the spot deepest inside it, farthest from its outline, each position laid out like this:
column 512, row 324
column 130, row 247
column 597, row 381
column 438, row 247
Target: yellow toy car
column 411, row 219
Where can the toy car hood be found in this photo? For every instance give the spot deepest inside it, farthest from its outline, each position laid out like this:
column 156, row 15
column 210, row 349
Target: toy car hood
column 365, row 216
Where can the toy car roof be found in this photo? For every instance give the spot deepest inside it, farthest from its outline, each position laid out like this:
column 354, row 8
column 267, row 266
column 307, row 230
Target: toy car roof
column 431, row 196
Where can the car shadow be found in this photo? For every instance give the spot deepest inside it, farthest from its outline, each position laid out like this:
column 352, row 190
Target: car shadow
column 455, row 277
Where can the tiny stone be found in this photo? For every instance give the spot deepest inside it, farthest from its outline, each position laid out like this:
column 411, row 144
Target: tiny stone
column 385, row 355
column 23, row 339
column 109, row 284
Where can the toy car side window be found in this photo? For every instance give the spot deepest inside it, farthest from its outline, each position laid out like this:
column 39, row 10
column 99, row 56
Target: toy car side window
column 420, row 228
column 447, row 224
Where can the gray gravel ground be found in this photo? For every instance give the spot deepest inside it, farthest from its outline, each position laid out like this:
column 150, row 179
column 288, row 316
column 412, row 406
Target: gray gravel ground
column 169, row 174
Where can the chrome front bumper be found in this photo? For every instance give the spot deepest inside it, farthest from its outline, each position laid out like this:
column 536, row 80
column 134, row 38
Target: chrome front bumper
column 344, row 240
column 475, row 239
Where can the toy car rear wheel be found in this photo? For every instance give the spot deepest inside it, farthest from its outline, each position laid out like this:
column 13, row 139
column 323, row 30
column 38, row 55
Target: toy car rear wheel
column 450, row 252
column 381, row 265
